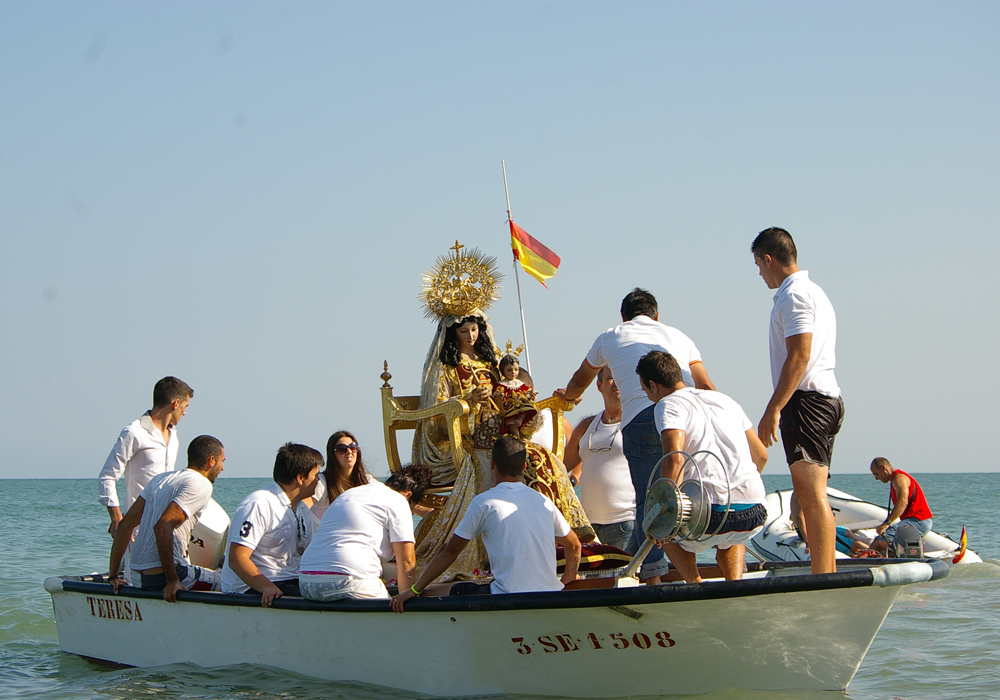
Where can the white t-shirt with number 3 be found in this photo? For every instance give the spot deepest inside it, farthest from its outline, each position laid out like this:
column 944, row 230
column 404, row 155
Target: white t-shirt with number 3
column 265, row 523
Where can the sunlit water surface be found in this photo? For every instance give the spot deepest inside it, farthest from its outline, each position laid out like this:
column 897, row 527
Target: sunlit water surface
column 941, row 639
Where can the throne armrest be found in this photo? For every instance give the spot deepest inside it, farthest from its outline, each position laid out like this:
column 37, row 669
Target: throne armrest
column 403, row 413
column 558, row 406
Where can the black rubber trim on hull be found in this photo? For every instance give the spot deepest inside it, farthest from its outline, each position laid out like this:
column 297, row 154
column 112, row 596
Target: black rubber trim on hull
column 594, row 598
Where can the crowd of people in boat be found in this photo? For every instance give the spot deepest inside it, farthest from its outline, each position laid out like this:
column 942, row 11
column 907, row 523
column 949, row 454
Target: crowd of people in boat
column 326, row 536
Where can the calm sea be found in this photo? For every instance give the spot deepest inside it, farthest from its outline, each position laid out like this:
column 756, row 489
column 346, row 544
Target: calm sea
column 941, row 640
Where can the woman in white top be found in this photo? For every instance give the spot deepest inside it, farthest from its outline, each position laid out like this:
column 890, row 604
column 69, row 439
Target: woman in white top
column 363, row 528
column 345, row 469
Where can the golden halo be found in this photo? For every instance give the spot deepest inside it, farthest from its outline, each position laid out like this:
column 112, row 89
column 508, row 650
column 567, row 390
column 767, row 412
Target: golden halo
column 461, row 284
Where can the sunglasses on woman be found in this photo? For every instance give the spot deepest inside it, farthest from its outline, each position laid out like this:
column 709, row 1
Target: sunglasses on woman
column 342, row 449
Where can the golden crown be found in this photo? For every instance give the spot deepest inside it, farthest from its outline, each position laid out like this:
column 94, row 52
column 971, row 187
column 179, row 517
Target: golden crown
column 461, row 284
column 511, row 352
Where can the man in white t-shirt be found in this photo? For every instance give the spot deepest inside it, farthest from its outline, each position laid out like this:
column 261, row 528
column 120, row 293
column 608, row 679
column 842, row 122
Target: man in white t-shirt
column 620, row 349
column 520, row 530
column 696, row 420
column 364, row 528
column 272, row 528
column 146, row 447
column 806, row 404
column 165, row 514
column 595, row 460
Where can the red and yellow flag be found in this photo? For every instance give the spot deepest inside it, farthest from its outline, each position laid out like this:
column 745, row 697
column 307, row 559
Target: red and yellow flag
column 537, row 260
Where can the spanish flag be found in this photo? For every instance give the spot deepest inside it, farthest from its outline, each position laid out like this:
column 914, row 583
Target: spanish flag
column 537, row 260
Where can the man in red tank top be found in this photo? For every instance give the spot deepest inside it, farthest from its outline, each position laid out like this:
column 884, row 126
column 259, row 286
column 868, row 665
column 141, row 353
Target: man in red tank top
column 907, row 500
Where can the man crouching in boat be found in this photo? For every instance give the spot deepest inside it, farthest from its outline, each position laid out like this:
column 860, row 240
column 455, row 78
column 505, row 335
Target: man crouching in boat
column 909, row 507
column 520, row 528
column 165, row 513
column 272, row 528
column 694, row 420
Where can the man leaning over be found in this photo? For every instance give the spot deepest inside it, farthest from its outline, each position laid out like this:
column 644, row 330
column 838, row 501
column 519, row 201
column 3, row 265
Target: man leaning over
column 806, row 402
column 694, row 420
column 909, row 506
column 165, row 513
column 272, row 528
column 620, row 349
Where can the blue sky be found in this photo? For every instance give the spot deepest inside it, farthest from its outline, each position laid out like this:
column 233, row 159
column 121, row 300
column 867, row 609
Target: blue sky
column 245, row 195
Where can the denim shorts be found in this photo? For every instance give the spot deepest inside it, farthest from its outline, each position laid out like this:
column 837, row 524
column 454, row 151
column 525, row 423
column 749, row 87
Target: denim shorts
column 643, row 450
column 615, row 534
column 924, row 526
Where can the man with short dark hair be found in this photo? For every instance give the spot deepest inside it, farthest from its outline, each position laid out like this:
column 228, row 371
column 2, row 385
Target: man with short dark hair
column 620, row 349
column 165, row 513
column 272, row 528
column 693, row 421
column 520, row 528
column 806, row 404
column 146, row 447
column 909, row 506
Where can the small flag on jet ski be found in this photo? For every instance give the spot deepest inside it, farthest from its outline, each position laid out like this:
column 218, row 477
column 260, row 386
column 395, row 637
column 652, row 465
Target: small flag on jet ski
column 963, row 543
column 537, row 260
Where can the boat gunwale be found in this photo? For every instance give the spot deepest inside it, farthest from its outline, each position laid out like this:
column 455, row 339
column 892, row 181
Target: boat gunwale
column 859, row 576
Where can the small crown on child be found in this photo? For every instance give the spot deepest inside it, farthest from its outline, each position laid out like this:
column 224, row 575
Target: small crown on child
column 511, row 352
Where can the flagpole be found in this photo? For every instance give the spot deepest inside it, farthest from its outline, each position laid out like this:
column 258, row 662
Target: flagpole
column 517, row 276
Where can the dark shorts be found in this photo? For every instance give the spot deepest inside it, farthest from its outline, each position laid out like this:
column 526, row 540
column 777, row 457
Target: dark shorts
column 470, row 588
column 809, row 423
column 737, row 520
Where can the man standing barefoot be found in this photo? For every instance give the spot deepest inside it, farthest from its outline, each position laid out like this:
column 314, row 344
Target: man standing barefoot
column 806, row 402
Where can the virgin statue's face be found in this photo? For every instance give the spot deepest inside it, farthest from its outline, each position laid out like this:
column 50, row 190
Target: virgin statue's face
column 467, row 334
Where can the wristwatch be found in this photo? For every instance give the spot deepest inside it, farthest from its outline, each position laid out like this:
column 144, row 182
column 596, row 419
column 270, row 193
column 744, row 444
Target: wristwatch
column 572, row 480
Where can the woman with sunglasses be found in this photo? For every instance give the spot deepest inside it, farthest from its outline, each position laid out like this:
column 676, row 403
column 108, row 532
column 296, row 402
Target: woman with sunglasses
column 345, row 469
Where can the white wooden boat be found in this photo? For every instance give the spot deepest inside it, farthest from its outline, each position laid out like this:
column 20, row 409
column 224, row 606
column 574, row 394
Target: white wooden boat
column 778, row 628
column 779, row 541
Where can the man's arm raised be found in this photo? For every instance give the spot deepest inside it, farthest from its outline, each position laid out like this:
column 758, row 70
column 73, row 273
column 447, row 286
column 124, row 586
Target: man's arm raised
column 582, row 378
column 700, row 376
column 799, row 348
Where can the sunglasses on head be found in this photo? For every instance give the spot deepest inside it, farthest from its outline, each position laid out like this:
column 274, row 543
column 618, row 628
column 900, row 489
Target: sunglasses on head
column 342, row 449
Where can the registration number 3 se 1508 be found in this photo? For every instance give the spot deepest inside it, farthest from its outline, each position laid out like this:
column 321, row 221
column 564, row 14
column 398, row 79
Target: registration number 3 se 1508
column 561, row 643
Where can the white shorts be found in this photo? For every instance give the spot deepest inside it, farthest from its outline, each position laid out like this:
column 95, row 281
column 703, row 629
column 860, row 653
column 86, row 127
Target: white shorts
column 723, row 541
column 327, row 587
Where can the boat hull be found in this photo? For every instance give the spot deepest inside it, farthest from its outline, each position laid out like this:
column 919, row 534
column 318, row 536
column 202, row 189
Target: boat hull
column 783, row 631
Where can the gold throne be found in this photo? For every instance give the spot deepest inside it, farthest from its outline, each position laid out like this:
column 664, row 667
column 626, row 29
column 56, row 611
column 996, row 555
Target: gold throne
column 404, row 412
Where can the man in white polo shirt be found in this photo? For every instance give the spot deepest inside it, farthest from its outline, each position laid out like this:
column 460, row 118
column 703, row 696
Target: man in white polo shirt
column 520, row 528
column 272, row 528
column 146, row 447
column 692, row 421
column 165, row 513
column 806, row 404
column 620, row 349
